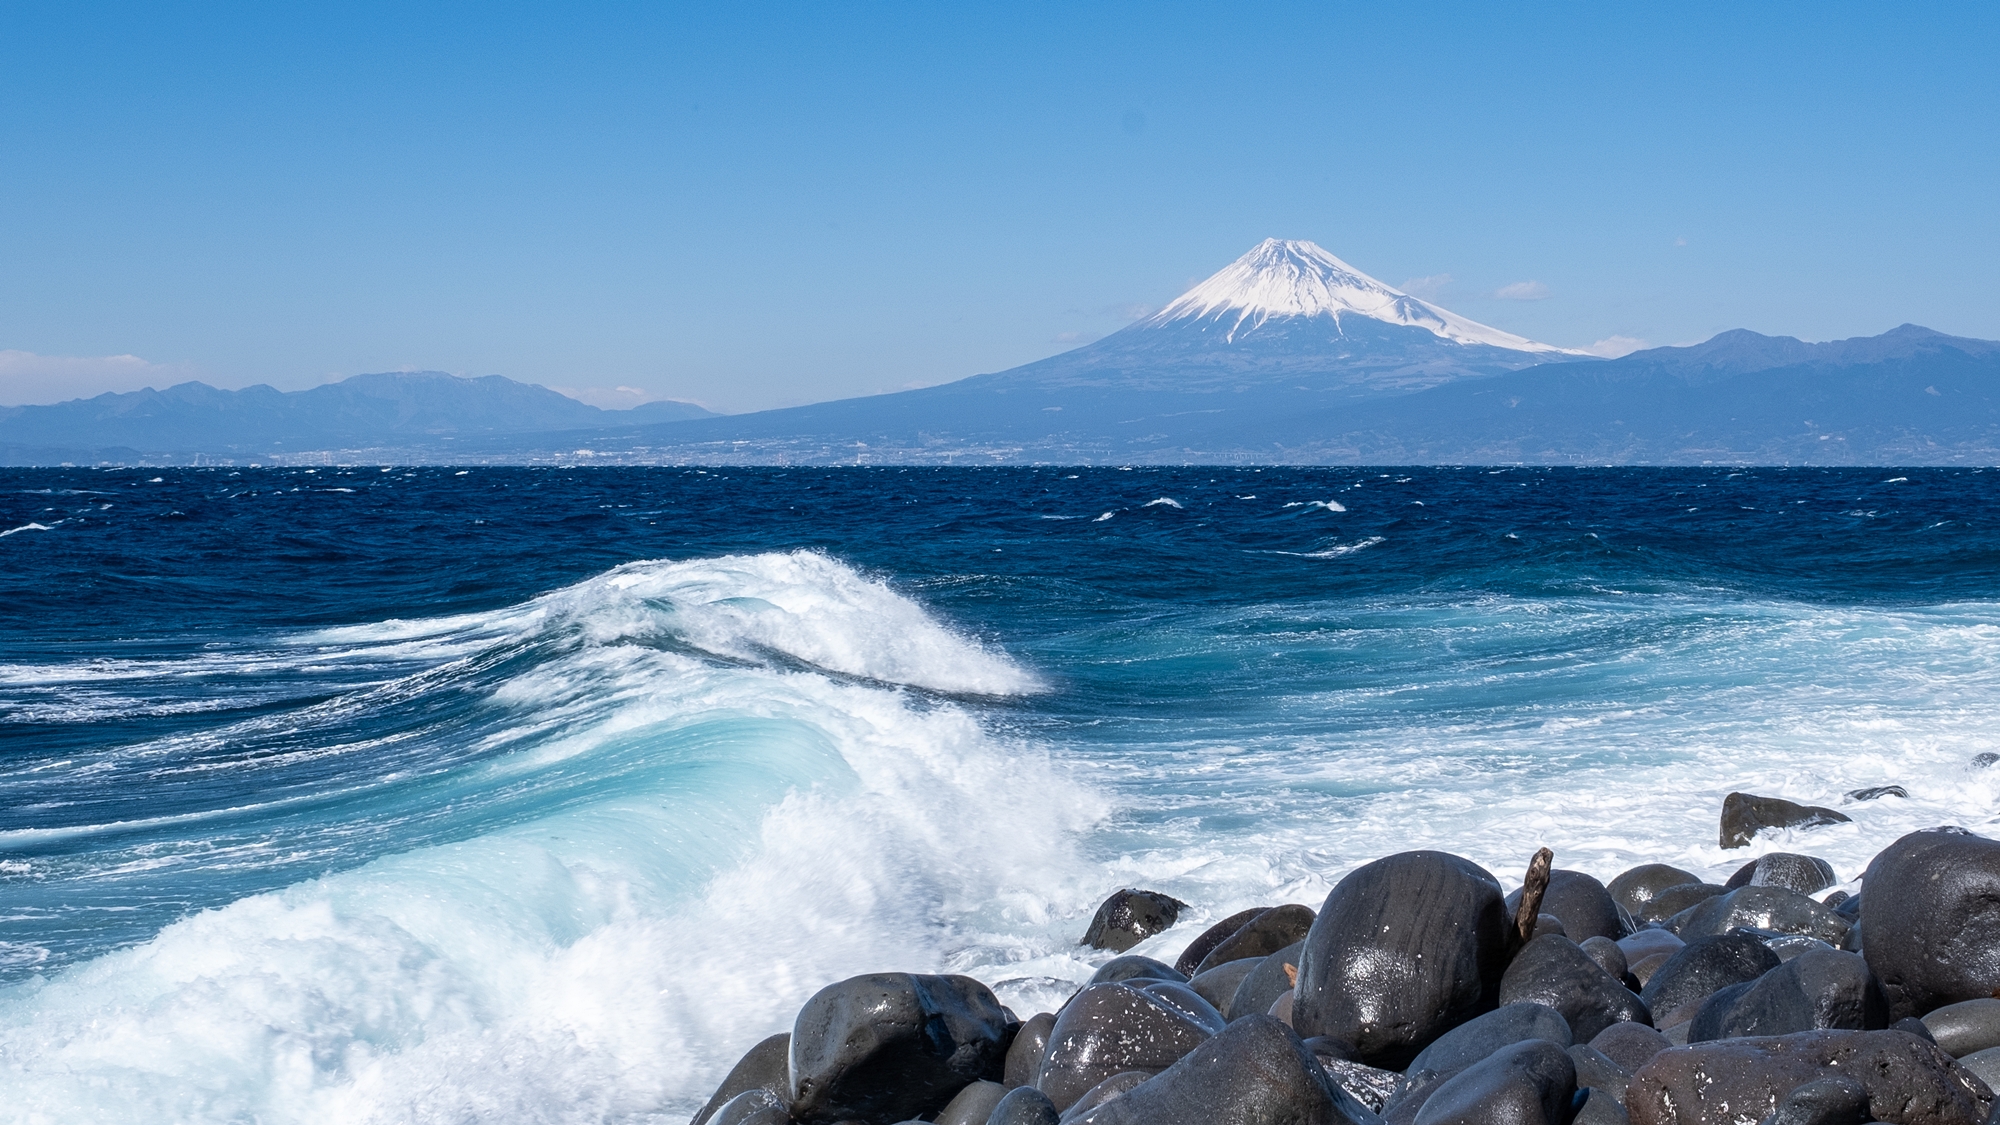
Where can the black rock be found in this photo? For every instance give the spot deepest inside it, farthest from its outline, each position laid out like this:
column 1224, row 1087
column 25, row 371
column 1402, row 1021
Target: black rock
column 1599, row 1071
column 1675, row 900
column 1744, row 815
column 1197, row 951
column 1583, row 906
column 1369, row 1085
column 1965, row 1027
column 1262, row 936
column 1703, row 967
column 1643, row 943
column 753, row 1107
column 1182, row 999
column 972, row 1105
column 1848, row 908
column 1911, row 1025
column 1528, row 1083
column 1553, row 971
column 1132, row 966
column 1106, row 1090
column 1814, row 991
column 1834, row 900
column 1218, row 985
column 1481, row 1036
column 1983, row 760
column 1802, row 873
column 1255, row 1073
column 1876, row 792
column 1838, row 1100
column 1985, row 1065
column 1930, row 920
column 1607, row 953
column 1130, row 917
column 891, row 1046
column 1763, row 908
column 1268, row 981
column 1405, row 949
column 1908, row 1080
column 1107, row 1029
column 1630, row 1045
column 1636, row 889
column 1024, row 1054
column 1599, row 1110
column 1024, row 1105
column 761, row 1067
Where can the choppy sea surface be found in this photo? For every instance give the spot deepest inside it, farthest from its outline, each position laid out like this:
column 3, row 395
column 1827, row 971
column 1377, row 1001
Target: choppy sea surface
column 350, row 795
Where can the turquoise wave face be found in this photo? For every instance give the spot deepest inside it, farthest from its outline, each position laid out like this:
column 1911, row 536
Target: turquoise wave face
column 541, row 796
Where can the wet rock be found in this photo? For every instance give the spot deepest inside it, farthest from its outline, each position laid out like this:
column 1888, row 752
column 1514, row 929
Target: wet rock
column 1834, row 900
column 1107, row 1029
column 891, row 1046
column 1132, row 966
column 1256, row 1072
column 1985, row 1065
column 1836, row 1100
column 1548, row 924
column 1553, row 971
column 1703, row 967
column 1965, row 1027
column 1675, row 900
column 1801, row 873
column 1598, row 1110
column 1263, row 935
column 1909, row 1081
column 1598, row 1071
column 1182, row 999
column 1218, row 985
column 1930, row 920
column 1630, row 1045
column 1528, row 1083
column 1582, row 904
column 1745, row 814
column 1636, row 889
column 1024, row 1054
column 1024, row 1105
column 1642, row 970
column 1608, row 955
column 753, row 1107
column 1984, row 760
column 1877, row 792
column 1813, row 991
column 972, row 1105
column 1369, row 1085
column 1130, row 917
column 761, row 1067
column 1199, row 949
column 1911, row 1025
column 1787, row 946
column 1644, row 943
column 1106, row 1090
column 1764, row 908
column 1265, row 983
column 1405, row 949
column 1479, row 1037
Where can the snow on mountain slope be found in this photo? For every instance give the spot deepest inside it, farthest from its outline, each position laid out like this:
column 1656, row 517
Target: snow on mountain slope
column 1280, row 278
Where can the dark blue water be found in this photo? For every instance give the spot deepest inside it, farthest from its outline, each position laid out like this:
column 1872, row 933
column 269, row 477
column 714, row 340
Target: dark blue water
column 327, row 785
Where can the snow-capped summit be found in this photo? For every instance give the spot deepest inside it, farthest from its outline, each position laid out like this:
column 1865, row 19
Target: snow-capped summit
column 1284, row 278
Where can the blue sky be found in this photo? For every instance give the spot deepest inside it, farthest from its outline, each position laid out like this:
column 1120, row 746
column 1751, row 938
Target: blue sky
column 759, row 205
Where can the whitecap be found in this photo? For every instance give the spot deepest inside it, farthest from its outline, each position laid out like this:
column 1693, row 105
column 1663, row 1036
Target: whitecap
column 1169, row 501
column 27, row 527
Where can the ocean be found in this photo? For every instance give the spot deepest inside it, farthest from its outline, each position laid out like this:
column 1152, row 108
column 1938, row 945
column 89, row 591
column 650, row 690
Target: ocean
column 539, row 795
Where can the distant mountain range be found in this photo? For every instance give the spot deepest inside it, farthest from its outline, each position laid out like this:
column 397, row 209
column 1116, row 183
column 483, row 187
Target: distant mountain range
column 417, row 415
column 1288, row 355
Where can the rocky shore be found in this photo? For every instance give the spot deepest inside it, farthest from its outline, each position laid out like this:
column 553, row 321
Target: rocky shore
column 1420, row 994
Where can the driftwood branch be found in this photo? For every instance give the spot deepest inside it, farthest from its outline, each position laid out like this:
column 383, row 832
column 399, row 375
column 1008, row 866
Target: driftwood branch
column 1532, row 890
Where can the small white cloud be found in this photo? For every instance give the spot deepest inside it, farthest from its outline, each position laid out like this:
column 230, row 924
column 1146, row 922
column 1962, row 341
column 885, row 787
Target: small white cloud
column 1068, row 337
column 1426, row 288
column 1130, row 312
column 620, row 397
column 1523, row 291
column 27, row 379
column 1680, row 242
column 1611, row 347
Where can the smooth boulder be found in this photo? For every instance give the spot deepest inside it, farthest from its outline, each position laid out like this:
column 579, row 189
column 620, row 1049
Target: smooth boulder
column 1404, row 949
column 1582, row 904
column 892, row 1046
column 1108, row 1029
column 1262, row 936
column 1256, row 1072
column 1554, row 971
column 1801, row 873
column 1024, row 1054
column 1630, row 1045
column 1813, row 991
column 1479, row 1037
column 1024, row 1105
column 764, row 1066
column 1134, row 967
column 1636, row 889
column 1909, row 1081
column 972, row 1105
column 1190, row 960
column 1218, row 985
column 1130, row 917
column 1834, row 1100
column 1529, row 1083
column 1965, row 1027
column 1703, row 967
column 1930, row 920
column 753, row 1107
column 1746, row 814
column 1264, row 984
column 1763, row 908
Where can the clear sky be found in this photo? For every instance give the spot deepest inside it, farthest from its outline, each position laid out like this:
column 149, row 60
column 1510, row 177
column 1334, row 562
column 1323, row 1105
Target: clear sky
column 752, row 205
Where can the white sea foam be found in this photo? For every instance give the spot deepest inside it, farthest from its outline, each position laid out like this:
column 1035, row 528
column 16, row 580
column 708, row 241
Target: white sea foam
column 26, row 527
column 1167, row 500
